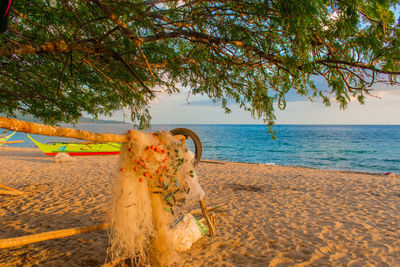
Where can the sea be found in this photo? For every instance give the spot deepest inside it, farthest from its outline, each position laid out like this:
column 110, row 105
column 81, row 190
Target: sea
column 366, row 148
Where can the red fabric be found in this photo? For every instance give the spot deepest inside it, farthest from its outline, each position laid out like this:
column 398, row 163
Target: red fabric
column 85, row 153
column 8, row 7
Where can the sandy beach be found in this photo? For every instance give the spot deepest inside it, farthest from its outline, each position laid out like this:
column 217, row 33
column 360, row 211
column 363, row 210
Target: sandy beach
column 276, row 216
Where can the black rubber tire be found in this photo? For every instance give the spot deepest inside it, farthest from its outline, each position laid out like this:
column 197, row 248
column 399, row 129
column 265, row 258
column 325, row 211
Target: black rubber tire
column 196, row 140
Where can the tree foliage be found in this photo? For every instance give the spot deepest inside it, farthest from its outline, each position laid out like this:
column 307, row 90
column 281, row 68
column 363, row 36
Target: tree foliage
column 60, row 58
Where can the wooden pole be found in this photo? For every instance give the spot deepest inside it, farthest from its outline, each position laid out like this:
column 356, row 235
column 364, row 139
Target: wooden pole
column 37, row 128
column 24, row 240
column 12, row 142
column 207, row 217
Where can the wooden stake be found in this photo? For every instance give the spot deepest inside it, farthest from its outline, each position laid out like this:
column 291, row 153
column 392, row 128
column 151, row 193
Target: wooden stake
column 207, row 217
column 37, row 128
column 29, row 239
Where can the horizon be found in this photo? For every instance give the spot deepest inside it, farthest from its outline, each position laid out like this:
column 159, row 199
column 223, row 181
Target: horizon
column 262, row 124
column 294, row 124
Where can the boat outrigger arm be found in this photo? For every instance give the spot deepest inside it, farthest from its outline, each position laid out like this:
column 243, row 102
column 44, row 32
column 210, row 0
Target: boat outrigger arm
column 78, row 149
column 6, row 137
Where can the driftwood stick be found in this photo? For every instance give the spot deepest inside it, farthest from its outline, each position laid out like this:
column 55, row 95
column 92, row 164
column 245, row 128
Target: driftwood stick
column 29, row 239
column 7, row 192
column 198, row 211
column 8, row 188
column 12, row 142
column 37, row 128
column 207, row 217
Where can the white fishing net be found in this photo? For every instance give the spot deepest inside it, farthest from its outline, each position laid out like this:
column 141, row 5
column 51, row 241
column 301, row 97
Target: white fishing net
column 151, row 190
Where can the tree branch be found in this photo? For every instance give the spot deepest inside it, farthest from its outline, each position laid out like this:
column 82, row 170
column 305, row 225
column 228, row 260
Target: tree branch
column 48, row 47
column 125, row 29
column 356, row 65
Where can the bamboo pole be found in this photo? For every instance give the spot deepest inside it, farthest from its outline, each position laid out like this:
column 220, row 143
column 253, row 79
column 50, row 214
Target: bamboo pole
column 28, row 239
column 12, row 142
column 207, row 217
column 37, row 128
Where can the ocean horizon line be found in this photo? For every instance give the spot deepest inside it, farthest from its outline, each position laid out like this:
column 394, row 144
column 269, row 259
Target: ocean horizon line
column 256, row 124
column 261, row 124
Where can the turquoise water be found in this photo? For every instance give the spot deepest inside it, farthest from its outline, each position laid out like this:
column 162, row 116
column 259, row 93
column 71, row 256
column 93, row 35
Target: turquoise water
column 371, row 148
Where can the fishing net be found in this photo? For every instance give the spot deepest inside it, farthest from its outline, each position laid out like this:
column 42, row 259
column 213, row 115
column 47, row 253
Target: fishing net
column 150, row 191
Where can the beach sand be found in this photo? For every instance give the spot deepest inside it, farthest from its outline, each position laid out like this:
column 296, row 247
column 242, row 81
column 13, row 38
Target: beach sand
column 276, row 216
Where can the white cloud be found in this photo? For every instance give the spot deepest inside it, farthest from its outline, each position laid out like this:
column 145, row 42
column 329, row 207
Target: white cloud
column 176, row 109
column 384, row 110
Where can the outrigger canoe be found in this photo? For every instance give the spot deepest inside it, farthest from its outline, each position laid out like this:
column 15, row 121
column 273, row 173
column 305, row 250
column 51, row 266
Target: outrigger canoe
column 78, row 149
column 4, row 138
